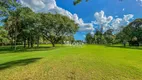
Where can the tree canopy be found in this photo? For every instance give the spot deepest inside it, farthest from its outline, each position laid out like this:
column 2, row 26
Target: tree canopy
column 134, row 29
column 7, row 5
column 56, row 27
column 27, row 27
column 3, row 36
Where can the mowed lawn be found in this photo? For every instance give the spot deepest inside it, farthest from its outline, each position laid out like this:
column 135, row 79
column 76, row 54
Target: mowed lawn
column 91, row 62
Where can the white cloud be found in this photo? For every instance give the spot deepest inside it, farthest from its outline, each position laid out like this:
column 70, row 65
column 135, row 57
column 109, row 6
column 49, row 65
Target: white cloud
column 128, row 17
column 102, row 20
column 110, row 22
column 50, row 6
column 140, row 2
column 119, row 22
column 123, row 9
column 116, row 23
column 33, row 4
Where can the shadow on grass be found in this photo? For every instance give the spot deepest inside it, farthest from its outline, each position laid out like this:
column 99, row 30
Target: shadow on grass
column 8, row 49
column 127, row 47
column 18, row 63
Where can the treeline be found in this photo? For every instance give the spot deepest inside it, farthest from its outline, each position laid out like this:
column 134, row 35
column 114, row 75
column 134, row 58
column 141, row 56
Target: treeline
column 131, row 32
column 23, row 26
column 101, row 38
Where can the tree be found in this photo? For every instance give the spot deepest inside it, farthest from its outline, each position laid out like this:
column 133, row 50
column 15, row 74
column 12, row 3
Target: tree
column 3, row 36
column 69, row 38
column 109, row 37
column 99, row 38
column 29, row 26
column 20, row 25
column 56, row 26
column 89, row 38
column 7, row 8
column 134, row 29
column 12, row 24
column 131, row 31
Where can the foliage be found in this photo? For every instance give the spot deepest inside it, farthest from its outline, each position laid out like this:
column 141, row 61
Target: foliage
column 27, row 27
column 7, row 5
column 89, row 38
column 100, row 38
column 134, row 29
column 56, row 27
column 3, row 36
column 75, row 2
column 14, row 23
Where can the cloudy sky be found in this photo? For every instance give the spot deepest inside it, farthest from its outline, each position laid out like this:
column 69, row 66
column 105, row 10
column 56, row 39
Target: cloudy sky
column 93, row 14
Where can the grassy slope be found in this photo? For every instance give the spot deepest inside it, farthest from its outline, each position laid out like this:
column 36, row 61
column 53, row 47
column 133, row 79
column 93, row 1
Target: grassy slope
column 67, row 63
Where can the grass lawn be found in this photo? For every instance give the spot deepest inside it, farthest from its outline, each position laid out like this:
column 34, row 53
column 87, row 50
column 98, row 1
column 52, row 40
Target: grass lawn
column 91, row 62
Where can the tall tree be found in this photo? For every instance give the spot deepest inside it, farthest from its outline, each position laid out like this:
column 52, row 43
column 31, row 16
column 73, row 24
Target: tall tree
column 28, row 26
column 13, row 25
column 55, row 27
column 133, row 30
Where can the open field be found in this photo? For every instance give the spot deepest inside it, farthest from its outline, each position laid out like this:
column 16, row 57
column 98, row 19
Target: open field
column 91, row 62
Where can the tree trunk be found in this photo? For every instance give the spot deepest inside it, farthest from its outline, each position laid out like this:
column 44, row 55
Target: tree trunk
column 11, row 43
column 15, row 46
column 28, row 42
column 62, row 42
column 32, row 45
column 1, row 43
column 31, row 40
column 15, row 39
column 24, row 43
column 38, row 42
column 53, row 44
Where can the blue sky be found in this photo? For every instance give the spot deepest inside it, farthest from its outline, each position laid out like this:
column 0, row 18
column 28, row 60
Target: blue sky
column 113, row 8
column 110, row 7
column 91, row 15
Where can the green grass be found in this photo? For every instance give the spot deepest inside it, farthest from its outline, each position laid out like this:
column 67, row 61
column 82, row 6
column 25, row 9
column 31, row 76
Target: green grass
column 91, row 62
